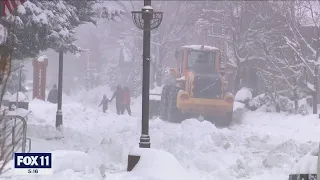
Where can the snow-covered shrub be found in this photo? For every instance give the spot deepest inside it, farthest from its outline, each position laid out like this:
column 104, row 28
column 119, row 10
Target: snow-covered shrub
column 269, row 107
column 286, row 105
column 303, row 110
column 282, row 103
column 303, row 107
column 257, row 102
column 309, row 101
column 265, row 104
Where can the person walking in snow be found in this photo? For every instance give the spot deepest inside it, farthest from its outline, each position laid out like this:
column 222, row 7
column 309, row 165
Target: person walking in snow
column 53, row 95
column 118, row 94
column 126, row 100
column 104, row 102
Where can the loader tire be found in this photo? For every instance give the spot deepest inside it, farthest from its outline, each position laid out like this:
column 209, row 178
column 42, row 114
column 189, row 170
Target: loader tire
column 174, row 114
column 164, row 102
column 224, row 121
column 154, row 109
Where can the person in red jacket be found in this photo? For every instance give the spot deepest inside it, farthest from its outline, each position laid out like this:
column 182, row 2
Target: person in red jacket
column 126, row 100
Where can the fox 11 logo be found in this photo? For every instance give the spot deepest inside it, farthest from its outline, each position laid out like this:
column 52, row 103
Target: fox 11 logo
column 32, row 164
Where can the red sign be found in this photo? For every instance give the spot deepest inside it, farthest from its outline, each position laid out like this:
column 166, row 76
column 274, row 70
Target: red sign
column 8, row 6
column 39, row 78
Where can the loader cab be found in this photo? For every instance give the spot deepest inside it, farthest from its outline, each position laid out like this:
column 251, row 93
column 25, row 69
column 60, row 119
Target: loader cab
column 199, row 72
column 199, row 58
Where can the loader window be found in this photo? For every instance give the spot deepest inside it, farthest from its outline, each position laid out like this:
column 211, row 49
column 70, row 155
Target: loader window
column 179, row 60
column 201, row 57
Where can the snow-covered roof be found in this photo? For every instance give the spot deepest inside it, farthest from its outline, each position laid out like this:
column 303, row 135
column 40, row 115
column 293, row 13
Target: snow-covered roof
column 201, row 47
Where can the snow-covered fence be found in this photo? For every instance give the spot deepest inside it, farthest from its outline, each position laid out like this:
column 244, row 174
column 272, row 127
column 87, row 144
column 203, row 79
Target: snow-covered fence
column 13, row 132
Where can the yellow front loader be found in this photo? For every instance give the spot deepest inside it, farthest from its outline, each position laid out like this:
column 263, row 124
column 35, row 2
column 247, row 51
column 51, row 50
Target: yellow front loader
column 197, row 88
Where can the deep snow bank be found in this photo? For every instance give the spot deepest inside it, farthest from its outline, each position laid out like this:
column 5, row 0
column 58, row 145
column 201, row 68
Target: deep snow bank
column 308, row 164
column 75, row 160
column 264, row 146
column 154, row 164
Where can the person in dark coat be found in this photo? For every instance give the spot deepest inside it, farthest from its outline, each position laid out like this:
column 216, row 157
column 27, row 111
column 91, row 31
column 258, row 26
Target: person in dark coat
column 53, row 95
column 118, row 94
column 126, row 100
column 104, row 102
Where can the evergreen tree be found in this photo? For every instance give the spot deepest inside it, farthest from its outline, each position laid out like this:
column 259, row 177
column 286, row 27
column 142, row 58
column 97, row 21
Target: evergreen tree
column 42, row 25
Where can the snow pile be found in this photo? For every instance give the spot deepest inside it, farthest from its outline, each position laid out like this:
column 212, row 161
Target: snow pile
column 76, row 160
column 19, row 111
column 46, row 132
column 264, row 146
column 156, row 90
column 21, row 97
column 154, row 165
column 238, row 106
column 93, row 96
column 243, row 95
column 7, row 96
column 308, row 164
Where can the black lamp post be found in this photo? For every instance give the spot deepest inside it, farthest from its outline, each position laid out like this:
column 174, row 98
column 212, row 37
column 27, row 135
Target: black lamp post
column 59, row 111
column 146, row 20
column 315, row 93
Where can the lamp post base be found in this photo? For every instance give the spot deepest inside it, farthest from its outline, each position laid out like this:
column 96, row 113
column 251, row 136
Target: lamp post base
column 144, row 141
column 132, row 161
column 59, row 118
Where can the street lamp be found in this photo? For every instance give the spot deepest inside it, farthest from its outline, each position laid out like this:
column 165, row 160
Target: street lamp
column 59, row 110
column 146, row 19
column 315, row 93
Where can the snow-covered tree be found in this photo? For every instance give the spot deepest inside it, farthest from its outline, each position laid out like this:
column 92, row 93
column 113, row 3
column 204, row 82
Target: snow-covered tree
column 303, row 38
column 170, row 35
column 42, row 25
column 289, row 48
column 240, row 21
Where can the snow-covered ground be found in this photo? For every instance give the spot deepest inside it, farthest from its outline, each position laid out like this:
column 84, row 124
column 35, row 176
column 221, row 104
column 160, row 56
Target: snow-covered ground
column 260, row 146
